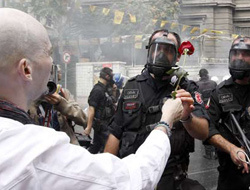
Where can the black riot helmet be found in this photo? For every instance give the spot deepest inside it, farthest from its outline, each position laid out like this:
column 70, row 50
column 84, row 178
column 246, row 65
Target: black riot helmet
column 239, row 59
column 162, row 55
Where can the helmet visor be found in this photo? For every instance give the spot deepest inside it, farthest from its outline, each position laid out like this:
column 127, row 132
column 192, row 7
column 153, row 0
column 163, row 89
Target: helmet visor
column 163, row 54
column 239, row 59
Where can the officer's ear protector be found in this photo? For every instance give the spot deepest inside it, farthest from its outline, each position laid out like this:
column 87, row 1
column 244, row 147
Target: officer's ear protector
column 238, row 67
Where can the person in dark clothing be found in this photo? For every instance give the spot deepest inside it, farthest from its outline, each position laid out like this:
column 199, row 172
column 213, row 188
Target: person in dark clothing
column 232, row 96
column 139, row 109
column 101, row 109
column 205, row 87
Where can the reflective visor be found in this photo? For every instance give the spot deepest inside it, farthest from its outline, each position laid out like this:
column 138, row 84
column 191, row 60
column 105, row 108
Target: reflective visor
column 162, row 54
column 239, row 59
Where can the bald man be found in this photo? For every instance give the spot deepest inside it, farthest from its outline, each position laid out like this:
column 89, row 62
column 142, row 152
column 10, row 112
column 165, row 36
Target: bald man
column 35, row 157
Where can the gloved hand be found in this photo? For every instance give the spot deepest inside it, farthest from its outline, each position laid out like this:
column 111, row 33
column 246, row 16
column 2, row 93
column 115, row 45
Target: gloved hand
column 172, row 111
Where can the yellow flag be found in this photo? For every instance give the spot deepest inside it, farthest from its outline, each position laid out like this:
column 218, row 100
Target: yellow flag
column 234, row 36
column 154, row 21
column 132, row 18
column 163, row 23
column 216, row 31
column 184, row 28
column 118, row 17
column 194, row 30
column 138, row 38
column 105, row 11
column 92, row 8
column 138, row 45
column 173, row 25
column 204, row 31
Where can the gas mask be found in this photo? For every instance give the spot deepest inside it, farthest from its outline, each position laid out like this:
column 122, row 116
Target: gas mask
column 238, row 67
column 162, row 56
column 103, row 75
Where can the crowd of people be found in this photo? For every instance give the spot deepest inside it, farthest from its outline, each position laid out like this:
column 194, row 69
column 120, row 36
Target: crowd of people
column 143, row 135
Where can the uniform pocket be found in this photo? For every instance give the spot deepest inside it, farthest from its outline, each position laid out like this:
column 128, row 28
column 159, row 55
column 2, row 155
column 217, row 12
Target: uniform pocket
column 128, row 143
column 132, row 114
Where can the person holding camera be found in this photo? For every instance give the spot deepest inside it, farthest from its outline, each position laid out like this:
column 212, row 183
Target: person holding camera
column 59, row 110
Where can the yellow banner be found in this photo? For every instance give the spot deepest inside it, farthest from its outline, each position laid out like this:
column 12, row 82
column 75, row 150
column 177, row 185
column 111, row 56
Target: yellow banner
column 132, row 18
column 216, row 31
column 118, row 17
column 92, row 8
column 163, row 23
column 194, row 30
column 138, row 38
column 184, row 28
column 138, row 45
column 173, row 25
column 154, row 21
column 234, row 36
column 204, row 31
column 105, row 11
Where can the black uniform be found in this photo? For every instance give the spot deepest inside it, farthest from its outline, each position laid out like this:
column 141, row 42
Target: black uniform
column 102, row 101
column 230, row 95
column 139, row 106
column 205, row 87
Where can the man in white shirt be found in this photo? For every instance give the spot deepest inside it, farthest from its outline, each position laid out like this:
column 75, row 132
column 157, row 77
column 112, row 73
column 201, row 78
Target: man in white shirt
column 34, row 157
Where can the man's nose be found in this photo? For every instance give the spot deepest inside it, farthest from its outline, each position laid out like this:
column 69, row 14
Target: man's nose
column 240, row 55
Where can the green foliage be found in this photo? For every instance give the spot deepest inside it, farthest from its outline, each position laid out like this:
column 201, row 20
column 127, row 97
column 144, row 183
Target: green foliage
column 70, row 19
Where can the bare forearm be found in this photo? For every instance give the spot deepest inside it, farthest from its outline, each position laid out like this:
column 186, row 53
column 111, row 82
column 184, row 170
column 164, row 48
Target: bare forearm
column 112, row 145
column 221, row 143
column 197, row 128
column 91, row 114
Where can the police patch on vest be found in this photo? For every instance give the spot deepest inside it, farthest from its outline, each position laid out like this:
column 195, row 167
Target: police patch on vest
column 198, row 98
column 131, row 93
column 131, row 106
column 224, row 98
column 174, row 79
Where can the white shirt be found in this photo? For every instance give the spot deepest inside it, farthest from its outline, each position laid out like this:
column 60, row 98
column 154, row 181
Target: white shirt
column 35, row 157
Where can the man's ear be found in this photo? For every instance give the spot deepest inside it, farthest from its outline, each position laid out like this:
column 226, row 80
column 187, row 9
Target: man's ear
column 24, row 69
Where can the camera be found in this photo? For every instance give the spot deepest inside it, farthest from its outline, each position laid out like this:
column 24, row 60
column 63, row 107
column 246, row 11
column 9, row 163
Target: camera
column 53, row 80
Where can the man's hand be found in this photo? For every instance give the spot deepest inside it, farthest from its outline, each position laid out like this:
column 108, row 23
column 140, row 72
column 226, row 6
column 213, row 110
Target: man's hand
column 53, row 98
column 187, row 102
column 87, row 131
column 172, row 111
column 237, row 156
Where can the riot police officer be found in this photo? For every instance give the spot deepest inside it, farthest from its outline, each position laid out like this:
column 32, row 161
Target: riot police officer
column 232, row 96
column 101, row 109
column 139, row 109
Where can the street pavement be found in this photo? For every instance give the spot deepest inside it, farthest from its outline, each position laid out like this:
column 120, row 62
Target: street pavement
column 202, row 169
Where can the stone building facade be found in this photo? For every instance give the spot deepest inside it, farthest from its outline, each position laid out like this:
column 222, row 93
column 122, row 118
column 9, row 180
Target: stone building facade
column 225, row 17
